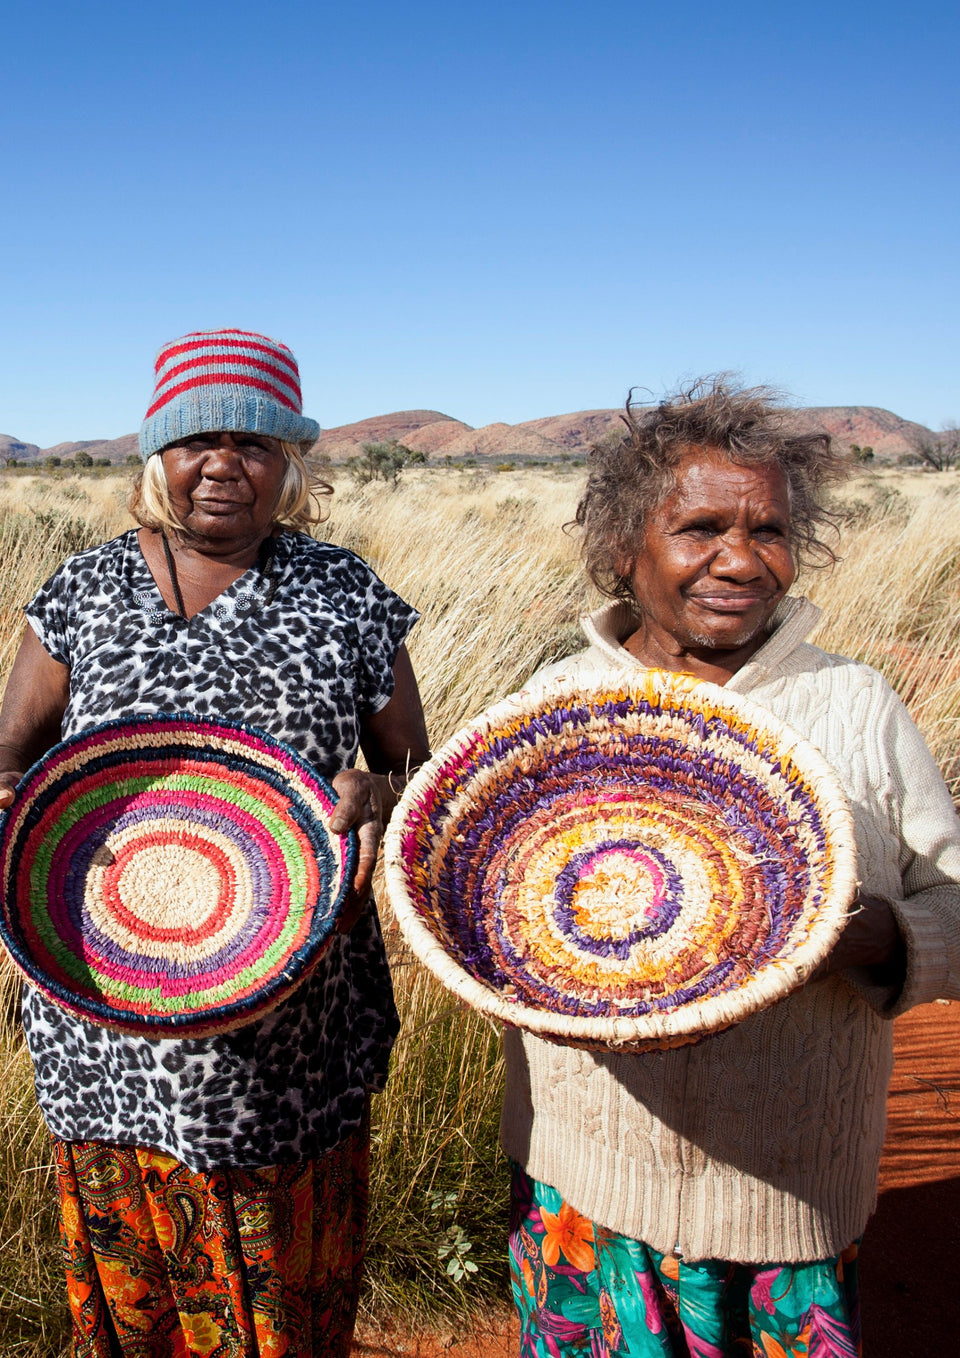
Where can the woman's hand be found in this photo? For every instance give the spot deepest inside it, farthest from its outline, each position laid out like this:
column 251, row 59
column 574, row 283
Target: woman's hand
column 361, row 808
column 871, row 939
column 9, row 778
column 394, row 743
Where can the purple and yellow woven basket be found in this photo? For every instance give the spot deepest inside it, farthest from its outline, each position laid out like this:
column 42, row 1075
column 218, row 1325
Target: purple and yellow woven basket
column 631, row 866
column 170, row 876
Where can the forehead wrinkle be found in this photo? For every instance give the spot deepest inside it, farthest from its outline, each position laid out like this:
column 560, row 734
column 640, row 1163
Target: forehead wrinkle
column 718, row 495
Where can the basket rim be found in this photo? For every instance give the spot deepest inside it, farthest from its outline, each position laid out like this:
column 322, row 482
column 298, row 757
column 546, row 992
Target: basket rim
column 771, row 982
column 213, row 1019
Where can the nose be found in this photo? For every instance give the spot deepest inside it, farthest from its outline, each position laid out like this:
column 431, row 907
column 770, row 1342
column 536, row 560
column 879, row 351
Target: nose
column 222, row 462
column 737, row 559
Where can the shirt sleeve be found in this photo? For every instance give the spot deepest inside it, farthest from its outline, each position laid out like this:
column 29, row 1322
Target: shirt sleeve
column 49, row 614
column 928, row 909
column 384, row 621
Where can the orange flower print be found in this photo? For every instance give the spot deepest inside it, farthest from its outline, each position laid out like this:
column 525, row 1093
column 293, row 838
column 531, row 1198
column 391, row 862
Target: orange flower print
column 125, row 1292
column 798, row 1349
column 612, row 1333
column 164, row 1228
column 570, row 1233
column 670, row 1267
column 270, row 1343
column 201, row 1332
column 70, row 1216
column 158, row 1160
column 528, row 1281
column 301, row 1244
column 541, row 1287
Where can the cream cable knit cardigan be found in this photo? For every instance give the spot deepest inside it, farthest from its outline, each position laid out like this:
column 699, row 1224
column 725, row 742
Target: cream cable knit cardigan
column 762, row 1144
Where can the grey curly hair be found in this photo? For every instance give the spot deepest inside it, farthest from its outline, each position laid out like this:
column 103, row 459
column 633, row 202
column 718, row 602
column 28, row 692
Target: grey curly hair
column 630, row 475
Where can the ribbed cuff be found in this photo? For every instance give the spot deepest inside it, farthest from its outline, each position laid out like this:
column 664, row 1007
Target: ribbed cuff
column 928, row 959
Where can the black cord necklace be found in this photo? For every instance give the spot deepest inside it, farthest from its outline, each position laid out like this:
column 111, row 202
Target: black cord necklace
column 181, row 611
column 264, row 566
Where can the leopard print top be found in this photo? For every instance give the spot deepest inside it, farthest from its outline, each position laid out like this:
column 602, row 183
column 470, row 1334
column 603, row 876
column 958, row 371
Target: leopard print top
column 303, row 647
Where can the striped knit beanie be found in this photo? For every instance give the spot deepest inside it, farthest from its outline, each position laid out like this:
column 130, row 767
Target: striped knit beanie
column 234, row 380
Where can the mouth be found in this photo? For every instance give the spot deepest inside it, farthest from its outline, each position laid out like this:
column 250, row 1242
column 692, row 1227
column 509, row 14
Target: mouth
column 218, row 506
column 729, row 603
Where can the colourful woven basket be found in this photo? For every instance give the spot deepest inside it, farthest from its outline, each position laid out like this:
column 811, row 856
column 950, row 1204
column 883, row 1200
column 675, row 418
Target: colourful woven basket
column 170, row 876
column 633, row 866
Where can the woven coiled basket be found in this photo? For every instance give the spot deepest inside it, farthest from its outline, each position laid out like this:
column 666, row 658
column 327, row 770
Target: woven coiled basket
column 634, row 865
column 170, row 876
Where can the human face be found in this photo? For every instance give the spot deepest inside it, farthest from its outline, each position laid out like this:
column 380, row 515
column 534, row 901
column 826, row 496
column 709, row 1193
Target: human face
column 224, row 486
column 715, row 559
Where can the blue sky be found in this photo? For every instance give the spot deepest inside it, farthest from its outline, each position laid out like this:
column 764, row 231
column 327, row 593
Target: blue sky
column 495, row 210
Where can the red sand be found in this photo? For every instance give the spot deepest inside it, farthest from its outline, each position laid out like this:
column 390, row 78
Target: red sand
column 910, row 1260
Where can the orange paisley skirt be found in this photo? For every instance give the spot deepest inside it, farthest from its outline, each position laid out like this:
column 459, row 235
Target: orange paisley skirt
column 165, row 1262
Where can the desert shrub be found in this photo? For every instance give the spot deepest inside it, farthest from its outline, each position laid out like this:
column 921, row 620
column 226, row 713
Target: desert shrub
column 383, row 462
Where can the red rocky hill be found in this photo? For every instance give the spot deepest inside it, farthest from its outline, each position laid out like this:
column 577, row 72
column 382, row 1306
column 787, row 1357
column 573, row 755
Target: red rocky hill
column 551, row 438
column 556, row 437
column 347, row 439
column 868, row 426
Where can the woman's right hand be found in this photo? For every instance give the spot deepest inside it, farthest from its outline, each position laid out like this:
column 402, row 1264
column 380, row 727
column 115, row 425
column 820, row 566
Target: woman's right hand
column 9, row 778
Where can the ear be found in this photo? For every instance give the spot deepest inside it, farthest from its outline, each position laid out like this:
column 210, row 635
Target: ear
column 623, row 564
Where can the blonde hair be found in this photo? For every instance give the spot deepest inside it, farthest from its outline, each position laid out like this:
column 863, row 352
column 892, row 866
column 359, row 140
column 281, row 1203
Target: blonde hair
column 300, row 501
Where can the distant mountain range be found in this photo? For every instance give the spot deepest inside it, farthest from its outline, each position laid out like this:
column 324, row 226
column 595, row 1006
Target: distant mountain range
column 551, row 439
column 564, row 436
column 117, row 450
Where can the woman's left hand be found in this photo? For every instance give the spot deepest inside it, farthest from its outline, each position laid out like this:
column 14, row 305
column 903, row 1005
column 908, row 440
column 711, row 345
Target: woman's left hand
column 871, row 939
column 360, row 807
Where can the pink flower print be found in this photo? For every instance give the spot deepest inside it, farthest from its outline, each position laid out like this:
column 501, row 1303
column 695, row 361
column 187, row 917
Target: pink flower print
column 700, row 1348
column 651, row 1301
column 761, row 1292
column 828, row 1337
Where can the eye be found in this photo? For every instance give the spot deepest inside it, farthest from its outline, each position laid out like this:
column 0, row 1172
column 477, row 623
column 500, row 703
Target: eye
column 699, row 528
column 769, row 532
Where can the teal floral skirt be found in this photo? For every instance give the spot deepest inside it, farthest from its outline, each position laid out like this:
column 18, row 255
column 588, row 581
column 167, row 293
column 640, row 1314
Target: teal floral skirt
column 586, row 1292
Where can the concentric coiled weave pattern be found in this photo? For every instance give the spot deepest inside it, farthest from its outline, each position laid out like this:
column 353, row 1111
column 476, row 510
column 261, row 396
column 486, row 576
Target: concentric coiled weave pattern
column 637, row 864
column 170, row 875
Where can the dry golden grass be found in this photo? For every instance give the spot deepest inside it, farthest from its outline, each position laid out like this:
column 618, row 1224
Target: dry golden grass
column 499, row 586
column 894, row 603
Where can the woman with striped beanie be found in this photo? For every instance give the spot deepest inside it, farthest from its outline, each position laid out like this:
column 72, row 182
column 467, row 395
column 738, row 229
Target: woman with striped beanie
column 213, row 1190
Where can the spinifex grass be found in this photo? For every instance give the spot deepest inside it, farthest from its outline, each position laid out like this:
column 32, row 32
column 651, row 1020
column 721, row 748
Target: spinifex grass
column 439, row 1191
column 499, row 587
column 33, row 1322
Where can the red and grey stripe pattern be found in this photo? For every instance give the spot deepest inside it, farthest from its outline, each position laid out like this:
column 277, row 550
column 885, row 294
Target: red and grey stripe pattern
column 225, row 379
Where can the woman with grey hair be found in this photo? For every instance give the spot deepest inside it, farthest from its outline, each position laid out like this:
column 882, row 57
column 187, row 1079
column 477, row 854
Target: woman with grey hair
column 708, row 1200
column 213, row 1190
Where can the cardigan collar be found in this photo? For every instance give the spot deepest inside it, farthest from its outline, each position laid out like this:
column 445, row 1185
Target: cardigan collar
column 792, row 621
